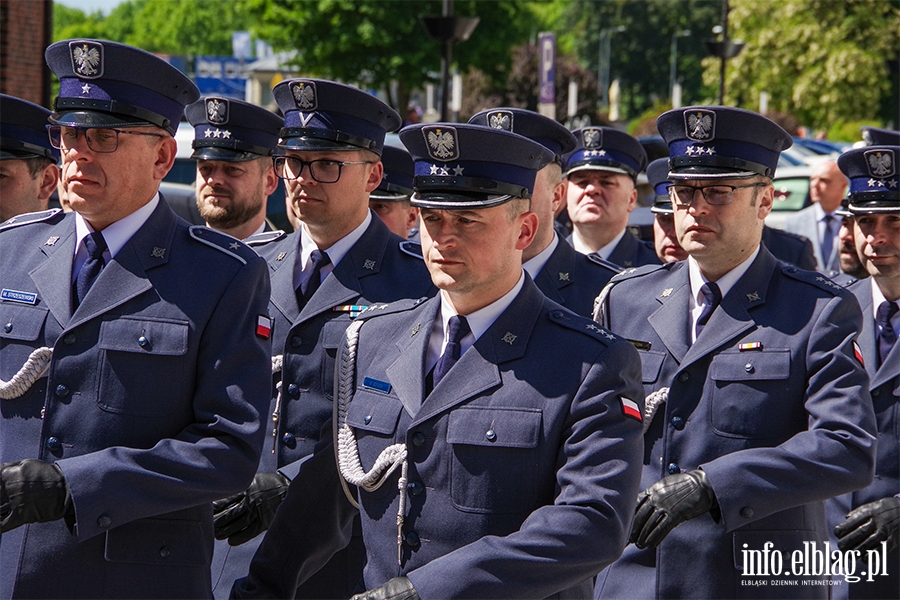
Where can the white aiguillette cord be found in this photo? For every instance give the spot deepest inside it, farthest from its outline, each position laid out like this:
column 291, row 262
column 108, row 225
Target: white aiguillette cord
column 35, row 367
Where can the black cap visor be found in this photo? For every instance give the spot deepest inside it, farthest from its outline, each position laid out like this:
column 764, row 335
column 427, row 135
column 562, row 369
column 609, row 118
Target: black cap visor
column 88, row 119
column 223, row 154
column 447, row 200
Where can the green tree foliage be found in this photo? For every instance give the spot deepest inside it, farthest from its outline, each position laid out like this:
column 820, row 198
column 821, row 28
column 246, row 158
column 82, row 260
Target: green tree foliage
column 826, row 61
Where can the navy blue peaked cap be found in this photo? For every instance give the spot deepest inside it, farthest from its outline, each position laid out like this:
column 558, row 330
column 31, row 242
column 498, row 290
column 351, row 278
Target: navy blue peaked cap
column 325, row 115
column 658, row 177
column 232, row 130
column 534, row 126
column 721, row 142
column 397, row 180
column 463, row 166
column 606, row 149
column 873, row 176
column 107, row 84
column 873, row 136
column 23, row 130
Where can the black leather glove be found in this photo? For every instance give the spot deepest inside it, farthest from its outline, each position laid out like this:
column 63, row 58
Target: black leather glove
column 398, row 588
column 31, row 491
column 869, row 525
column 668, row 502
column 242, row 517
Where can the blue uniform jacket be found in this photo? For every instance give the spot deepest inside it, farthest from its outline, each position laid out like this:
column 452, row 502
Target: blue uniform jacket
column 574, row 279
column 632, row 252
column 770, row 402
column 788, row 247
column 379, row 267
column 146, row 434
column 885, row 388
column 522, row 464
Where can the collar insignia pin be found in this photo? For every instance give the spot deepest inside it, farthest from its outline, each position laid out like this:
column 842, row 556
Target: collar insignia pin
column 51, row 241
column 281, row 255
column 753, row 297
column 564, row 277
column 666, row 292
column 158, row 252
column 508, row 337
column 369, row 264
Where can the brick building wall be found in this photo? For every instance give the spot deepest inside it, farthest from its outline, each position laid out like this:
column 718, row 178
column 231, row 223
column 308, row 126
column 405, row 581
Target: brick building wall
column 25, row 31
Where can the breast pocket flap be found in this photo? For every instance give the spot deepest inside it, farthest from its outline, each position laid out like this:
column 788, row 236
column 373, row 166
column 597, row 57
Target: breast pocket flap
column 162, row 337
column 374, row 412
column 505, row 427
column 21, row 322
column 651, row 363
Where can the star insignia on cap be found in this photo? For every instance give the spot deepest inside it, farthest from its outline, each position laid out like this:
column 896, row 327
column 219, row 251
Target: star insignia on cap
column 51, row 241
column 369, row 264
column 158, row 252
column 217, row 133
column 207, row 133
column 444, row 172
column 234, row 245
column 86, row 89
column 226, row 134
column 415, row 329
column 892, row 183
column 753, row 297
column 458, row 170
column 434, row 170
column 711, row 150
column 666, row 293
column 564, row 277
column 508, row 337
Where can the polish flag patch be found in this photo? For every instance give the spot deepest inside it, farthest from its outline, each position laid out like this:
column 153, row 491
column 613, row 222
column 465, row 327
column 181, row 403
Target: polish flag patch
column 858, row 354
column 631, row 409
column 263, row 327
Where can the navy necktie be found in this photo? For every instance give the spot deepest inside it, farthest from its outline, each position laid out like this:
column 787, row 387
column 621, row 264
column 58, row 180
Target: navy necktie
column 310, row 280
column 457, row 329
column 827, row 241
column 887, row 337
column 90, row 270
column 713, row 296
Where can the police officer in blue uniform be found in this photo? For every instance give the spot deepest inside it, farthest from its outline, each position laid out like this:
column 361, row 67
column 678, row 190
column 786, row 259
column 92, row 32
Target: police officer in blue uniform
column 601, row 174
column 28, row 172
column 870, row 517
column 757, row 407
column 875, row 136
column 390, row 200
column 145, row 346
column 564, row 275
column 233, row 143
column 787, row 247
column 484, row 464
column 342, row 260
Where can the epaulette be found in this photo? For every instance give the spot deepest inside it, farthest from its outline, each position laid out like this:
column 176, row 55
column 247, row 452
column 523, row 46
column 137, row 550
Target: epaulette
column 632, row 272
column 264, row 237
column 813, row 278
column 25, row 219
column 223, row 242
column 586, row 326
column 411, row 248
column 597, row 259
column 377, row 310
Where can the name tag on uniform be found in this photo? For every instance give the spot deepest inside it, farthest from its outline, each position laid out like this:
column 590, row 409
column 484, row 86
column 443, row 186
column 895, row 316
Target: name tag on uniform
column 377, row 386
column 640, row 345
column 16, row 296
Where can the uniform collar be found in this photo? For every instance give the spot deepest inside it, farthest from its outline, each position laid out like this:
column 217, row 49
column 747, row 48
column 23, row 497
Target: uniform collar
column 725, row 282
column 534, row 265
column 335, row 253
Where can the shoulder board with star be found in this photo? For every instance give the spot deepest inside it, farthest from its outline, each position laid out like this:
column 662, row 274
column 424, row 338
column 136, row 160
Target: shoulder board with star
column 596, row 259
column 381, row 309
column 575, row 322
column 265, row 237
column 222, row 242
column 813, row 278
column 632, row 272
column 27, row 218
column 411, row 248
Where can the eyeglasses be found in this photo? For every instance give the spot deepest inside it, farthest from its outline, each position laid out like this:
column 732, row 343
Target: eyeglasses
column 323, row 170
column 717, row 195
column 102, row 140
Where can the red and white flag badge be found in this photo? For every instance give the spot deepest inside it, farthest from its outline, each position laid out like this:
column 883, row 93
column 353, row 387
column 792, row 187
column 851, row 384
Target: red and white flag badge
column 631, row 409
column 858, row 353
column 263, row 327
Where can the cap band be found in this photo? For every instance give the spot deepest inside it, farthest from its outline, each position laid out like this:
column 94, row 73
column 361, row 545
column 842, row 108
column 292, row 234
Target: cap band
column 232, row 145
column 328, row 134
column 110, row 106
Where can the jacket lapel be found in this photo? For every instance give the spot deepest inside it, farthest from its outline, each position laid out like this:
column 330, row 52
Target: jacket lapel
column 125, row 276
column 53, row 278
column 281, row 274
column 478, row 368
column 406, row 374
column 558, row 273
column 669, row 319
column 623, row 253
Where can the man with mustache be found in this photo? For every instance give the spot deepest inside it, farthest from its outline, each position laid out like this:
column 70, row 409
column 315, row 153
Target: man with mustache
column 758, row 406
column 340, row 261
column 134, row 352
column 233, row 144
column 870, row 517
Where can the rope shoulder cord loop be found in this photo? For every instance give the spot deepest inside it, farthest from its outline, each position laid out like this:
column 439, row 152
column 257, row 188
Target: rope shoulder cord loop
column 346, row 449
column 37, row 365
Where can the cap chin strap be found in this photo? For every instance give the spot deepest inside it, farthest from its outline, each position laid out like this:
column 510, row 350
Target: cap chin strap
column 111, row 106
column 346, row 449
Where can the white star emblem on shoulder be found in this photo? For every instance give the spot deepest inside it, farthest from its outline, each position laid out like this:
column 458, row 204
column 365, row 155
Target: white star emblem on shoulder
column 234, row 245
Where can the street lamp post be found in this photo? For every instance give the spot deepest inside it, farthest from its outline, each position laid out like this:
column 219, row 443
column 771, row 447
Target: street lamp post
column 724, row 48
column 673, row 60
column 448, row 30
column 603, row 63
